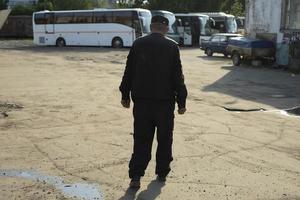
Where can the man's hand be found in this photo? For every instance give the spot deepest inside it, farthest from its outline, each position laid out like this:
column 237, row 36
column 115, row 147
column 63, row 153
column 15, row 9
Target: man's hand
column 125, row 103
column 181, row 111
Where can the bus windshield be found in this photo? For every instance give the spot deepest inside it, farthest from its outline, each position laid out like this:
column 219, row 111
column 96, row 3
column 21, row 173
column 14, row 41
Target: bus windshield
column 146, row 21
column 205, row 26
column 231, row 25
column 172, row 23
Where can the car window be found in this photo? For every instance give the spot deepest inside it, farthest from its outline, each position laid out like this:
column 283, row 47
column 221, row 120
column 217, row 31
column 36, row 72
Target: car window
column 215, row 39
column 223, row 39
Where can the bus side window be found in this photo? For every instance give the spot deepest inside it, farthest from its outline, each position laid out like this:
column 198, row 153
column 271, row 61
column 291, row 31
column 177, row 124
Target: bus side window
column 49, row 18
column 123, row 17
column 83, row 17
column 63, row 18
column 39, row 18
column 103, row 17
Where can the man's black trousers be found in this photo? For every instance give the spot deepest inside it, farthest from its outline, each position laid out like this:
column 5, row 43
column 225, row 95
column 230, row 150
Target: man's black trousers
column 148, row 116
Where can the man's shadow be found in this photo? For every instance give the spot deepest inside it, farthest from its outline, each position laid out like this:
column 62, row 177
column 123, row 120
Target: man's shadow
column 151, row 193
column 129, row 194
column 153, row 190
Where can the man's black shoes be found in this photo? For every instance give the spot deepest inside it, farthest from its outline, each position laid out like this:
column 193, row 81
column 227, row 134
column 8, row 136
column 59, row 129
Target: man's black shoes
column 135, row 182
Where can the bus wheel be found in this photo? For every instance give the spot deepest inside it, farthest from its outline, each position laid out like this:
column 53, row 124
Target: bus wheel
column 60, row 42
column 117, row 42
column 209, row 52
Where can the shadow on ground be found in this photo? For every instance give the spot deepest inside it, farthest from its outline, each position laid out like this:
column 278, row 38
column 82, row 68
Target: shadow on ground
column 272, row 87
column 27, row 45
column 151, row 193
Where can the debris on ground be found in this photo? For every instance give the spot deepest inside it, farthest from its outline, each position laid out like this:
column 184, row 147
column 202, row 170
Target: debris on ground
column 3, row 115
column 6, row 107
column 294, row 110
column 243, row 110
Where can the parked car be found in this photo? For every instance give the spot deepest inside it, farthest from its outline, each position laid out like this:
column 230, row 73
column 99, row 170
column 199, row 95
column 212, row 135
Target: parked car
column 217, row 43
column 250, row 49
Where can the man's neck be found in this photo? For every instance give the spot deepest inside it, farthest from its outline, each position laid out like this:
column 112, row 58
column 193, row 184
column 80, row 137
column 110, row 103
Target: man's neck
column 159, row 32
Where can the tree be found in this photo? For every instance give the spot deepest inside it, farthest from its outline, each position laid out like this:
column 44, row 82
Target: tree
column 77, row 4
column 2, row 4
column 237, row 8
column 44, row 5
column 23, row 10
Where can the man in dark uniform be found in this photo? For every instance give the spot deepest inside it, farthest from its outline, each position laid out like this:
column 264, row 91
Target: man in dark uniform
column 153, row 76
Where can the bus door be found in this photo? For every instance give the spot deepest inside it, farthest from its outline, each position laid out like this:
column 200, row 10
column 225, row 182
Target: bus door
column 195, row 29
column 49, row 25
column 187, row 35
column 184, row 30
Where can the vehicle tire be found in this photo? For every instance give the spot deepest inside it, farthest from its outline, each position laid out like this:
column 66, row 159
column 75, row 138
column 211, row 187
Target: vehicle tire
column 209, row 52
column 117, row 42
column 60, row 42
column 236, row 59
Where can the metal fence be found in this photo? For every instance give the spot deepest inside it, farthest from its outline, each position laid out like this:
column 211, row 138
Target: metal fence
column 17, row 27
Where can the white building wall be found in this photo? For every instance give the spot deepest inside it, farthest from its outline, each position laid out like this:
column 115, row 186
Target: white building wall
column 264, row 16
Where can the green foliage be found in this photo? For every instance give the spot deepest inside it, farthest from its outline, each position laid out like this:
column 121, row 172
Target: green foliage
column 229, row 6
column 44, row 5
column 235, row 7
column 70, row 4
column 139, row 4
column 2, row 4
column 23, row 10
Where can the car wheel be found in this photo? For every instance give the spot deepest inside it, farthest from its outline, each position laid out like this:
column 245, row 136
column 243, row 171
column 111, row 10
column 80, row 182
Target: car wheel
column 117, row 43
column 236, row 59
column 60, row 42
column 209, row 52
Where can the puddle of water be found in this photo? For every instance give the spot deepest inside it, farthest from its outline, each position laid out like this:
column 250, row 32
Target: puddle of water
column 79, row 190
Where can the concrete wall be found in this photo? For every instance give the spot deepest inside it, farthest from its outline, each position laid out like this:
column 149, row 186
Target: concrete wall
column 264, row 17
column 3, row 16
column 17, row 26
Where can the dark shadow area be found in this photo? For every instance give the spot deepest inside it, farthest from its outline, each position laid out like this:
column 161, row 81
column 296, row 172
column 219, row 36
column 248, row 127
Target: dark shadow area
column 152, row 192
column 276, row 88
column 294, row 111
column 228, row 67
column 27, row 45
column 129, row 194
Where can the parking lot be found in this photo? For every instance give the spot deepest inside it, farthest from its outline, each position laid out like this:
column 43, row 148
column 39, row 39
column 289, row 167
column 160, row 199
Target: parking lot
column 61, row 117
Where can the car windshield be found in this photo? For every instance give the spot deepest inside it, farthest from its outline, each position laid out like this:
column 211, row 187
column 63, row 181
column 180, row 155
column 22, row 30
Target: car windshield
column 231, row 25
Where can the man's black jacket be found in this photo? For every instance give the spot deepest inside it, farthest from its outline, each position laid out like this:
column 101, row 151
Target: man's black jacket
column 153, row 71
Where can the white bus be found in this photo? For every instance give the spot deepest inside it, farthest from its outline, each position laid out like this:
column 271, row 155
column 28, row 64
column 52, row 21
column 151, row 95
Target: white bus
column 224, row 23
column 193, row 28
column 173, row 30
column 99, row 27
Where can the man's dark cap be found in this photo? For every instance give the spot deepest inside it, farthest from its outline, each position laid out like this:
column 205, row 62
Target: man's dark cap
column 160, row 19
